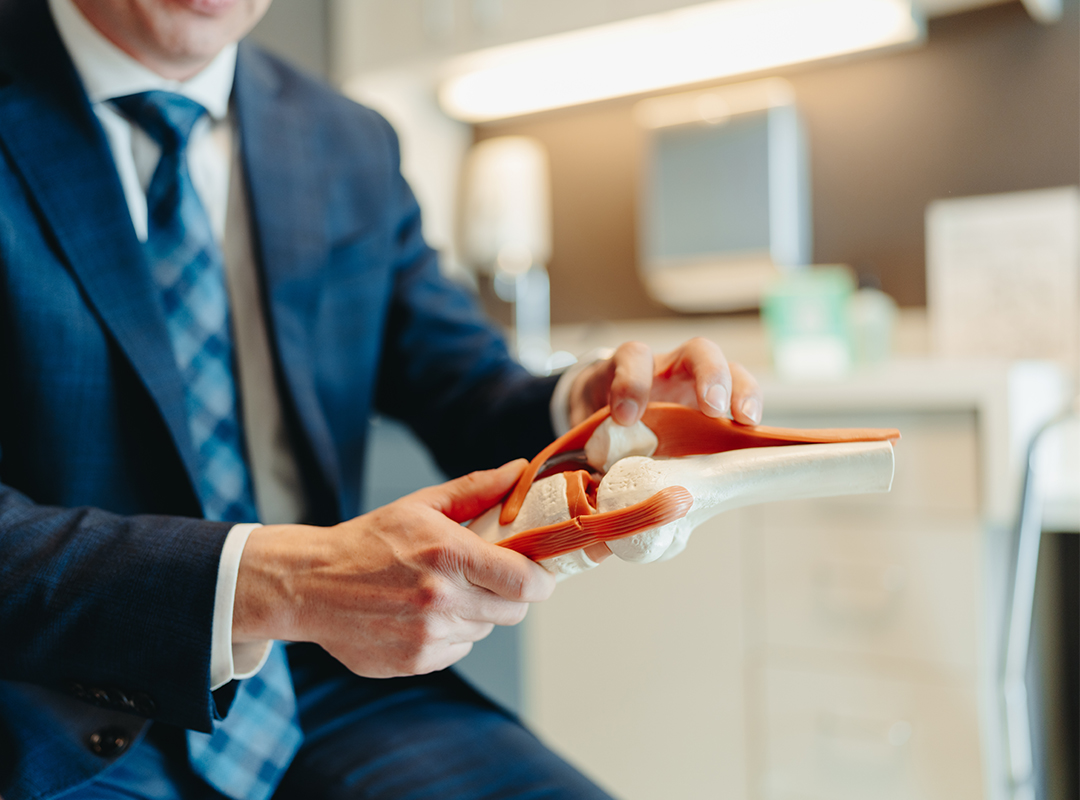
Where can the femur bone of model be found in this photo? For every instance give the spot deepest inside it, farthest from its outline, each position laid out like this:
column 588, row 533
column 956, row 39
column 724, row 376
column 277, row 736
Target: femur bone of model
column 646, row 508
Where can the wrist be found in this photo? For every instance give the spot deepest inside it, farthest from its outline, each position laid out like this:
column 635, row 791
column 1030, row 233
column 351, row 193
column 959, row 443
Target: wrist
column 269, row 594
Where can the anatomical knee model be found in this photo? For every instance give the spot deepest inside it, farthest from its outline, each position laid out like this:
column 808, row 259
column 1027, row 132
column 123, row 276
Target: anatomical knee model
column 640, row 491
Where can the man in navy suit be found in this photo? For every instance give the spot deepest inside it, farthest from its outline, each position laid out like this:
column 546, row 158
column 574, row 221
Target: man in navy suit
column 211, row 271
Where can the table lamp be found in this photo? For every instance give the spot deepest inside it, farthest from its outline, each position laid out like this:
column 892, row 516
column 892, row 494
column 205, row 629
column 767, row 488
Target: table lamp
column 506, row 235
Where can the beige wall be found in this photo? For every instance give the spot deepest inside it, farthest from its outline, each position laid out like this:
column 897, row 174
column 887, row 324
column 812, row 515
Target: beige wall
column 990, row 104
column 298, row 31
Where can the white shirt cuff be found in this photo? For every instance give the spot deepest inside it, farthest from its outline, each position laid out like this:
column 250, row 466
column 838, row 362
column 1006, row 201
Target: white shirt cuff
column 560, row 398
column 230, row 661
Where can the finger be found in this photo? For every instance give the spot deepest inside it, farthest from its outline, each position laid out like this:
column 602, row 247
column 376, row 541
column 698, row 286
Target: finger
column 487, row 608
column 631, row 383
column 443, row 658
column 704, row 362
column 468, row 631
column 471, row 495
column 590, row 390
column 507, row 574
column 747, row 402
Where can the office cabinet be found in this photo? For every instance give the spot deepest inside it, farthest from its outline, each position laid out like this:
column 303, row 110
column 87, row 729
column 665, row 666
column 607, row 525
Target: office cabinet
column 863, row 734
column 826, row 649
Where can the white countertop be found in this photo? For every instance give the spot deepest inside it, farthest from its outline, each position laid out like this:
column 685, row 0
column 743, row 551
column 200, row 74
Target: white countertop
column 1011, row 399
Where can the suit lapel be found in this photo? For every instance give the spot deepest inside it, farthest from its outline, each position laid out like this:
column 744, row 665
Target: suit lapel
column 282, row 170
column 55, row 141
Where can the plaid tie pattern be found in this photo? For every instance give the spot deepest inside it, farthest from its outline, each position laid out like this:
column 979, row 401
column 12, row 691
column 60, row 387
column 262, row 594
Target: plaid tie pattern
column 249, row 751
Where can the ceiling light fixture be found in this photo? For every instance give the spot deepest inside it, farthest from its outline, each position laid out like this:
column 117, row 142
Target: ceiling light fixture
column 702, row 42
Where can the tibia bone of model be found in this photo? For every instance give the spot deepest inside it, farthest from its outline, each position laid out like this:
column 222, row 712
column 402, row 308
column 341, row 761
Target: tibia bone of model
column 597, row 490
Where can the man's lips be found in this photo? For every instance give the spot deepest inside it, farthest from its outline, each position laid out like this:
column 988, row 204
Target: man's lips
column 208, row 7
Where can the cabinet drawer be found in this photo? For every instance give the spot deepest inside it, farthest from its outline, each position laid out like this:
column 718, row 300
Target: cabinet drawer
column 861, row 583
column 854, row 737
column 937, row 458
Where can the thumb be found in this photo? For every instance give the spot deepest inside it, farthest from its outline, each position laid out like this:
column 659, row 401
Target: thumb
column 470, row 495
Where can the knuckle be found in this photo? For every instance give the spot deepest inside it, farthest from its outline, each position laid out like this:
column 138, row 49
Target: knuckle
column 701, row 348
column 634, row 349
column 431, row 595
column 532, row 587
column 516, row 584
column 635, row 387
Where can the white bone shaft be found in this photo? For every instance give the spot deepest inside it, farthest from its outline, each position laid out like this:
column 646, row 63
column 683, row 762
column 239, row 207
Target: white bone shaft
column 724, row 481
column 718, row 482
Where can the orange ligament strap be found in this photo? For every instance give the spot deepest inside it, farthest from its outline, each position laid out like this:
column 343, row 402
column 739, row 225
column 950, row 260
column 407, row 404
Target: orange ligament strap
column 685, row 431
column 665, row 506
column 577, row 497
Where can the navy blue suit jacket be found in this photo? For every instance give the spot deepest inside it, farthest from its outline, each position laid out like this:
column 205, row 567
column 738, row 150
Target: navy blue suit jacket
column 107, row 572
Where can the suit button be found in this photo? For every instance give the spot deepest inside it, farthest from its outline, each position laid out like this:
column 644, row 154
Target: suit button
column 143, row 704
column 101, row 696
column 109, row 742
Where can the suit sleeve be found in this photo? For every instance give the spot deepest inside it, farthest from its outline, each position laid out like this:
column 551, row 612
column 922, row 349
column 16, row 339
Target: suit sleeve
column 86, row 582
column 445, row 368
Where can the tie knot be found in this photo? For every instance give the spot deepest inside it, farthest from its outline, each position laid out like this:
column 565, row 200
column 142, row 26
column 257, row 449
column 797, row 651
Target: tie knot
column 165, row 116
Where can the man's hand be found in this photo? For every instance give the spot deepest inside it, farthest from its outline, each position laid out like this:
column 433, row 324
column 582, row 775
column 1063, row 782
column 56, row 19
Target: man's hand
column 695, row 374
column 403, row 590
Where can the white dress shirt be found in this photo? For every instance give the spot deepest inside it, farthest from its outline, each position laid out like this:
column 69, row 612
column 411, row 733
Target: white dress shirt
column 107, row 72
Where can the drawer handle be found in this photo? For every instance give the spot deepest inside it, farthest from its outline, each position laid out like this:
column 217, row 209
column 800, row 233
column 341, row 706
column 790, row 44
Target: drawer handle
column 859, row 591
column 852, row 745
column 894, row 733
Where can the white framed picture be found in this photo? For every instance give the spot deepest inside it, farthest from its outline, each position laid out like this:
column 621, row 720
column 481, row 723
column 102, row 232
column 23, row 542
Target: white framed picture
column 1003, row 275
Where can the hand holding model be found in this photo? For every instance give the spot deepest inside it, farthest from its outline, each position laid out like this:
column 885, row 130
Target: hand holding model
column 696, row 375
column 402, row 590
column 405, row 589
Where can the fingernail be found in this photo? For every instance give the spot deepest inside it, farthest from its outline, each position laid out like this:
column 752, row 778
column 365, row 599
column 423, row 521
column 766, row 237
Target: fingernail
column 717, row 397
column 751, row 408
column 625, row 412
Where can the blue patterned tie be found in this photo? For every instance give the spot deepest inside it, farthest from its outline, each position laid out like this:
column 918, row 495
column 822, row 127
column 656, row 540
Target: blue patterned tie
column 249, row 751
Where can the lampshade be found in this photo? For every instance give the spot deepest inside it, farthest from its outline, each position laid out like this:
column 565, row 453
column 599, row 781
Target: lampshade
column 506, row 207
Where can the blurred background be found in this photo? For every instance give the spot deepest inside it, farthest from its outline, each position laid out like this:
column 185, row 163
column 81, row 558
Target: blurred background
column 873, row 204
